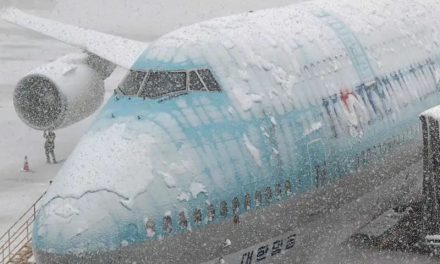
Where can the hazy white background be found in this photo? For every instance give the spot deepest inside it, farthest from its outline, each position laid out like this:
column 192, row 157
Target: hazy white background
column 143, row 19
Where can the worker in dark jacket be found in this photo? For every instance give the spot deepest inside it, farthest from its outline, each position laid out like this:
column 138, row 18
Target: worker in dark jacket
column 49, row 145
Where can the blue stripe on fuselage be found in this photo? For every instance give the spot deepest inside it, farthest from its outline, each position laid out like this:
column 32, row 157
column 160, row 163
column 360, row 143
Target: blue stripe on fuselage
column 202, row 137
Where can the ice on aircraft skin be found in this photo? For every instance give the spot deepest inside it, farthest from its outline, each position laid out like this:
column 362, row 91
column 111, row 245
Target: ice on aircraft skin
column 226, row 116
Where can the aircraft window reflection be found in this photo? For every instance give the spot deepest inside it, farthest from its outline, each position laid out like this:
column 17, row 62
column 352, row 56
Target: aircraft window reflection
column 167, row 224
column 235, row 205
column 261, row 198
column 258, row 198
column 223, row 209
column 183, row 222
column 197, row 216
column 156, row 84
column 132, row 82
column 278, row 191
column 162, row 83
column 194, row 82
column 288, row 187
column 151, row 228
column 209, row 80
column 268, row 195
column 211, row 213
column 247, row 201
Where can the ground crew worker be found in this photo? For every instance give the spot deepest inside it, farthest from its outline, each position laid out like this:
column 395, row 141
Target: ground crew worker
column 49, row 145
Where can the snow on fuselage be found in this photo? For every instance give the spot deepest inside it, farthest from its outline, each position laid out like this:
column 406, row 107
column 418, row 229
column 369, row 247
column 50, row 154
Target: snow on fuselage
column 304, row 92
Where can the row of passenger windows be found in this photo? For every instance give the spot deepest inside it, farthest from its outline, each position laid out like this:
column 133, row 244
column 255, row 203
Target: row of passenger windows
column 259, row 198
column 155, row 84
column 341, row 60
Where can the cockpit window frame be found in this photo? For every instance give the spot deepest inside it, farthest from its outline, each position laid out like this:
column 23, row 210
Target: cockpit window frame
column 141, row 93
column 204, row 89
column 144, row 85
column 122, row 90
column 217, row 88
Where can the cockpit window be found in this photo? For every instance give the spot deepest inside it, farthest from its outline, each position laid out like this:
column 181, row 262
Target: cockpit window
column 194, row 82
column 209, row 80
column 162, row 83
column 132, row 82
column 156, row 84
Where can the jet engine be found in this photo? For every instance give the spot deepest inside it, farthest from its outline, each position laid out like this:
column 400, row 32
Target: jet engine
column 62, row 92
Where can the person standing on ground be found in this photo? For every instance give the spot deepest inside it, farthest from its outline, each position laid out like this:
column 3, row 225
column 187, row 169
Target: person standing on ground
column 49, row 145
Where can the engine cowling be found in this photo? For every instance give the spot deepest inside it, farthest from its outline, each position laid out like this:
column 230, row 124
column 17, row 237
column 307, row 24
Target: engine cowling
column 60, row 93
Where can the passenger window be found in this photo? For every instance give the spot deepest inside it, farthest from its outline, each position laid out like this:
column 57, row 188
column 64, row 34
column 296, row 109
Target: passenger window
column 163, row 83
column 268, row 195
column 235, row 205
column 209, row 80
column 211, row 213
column 151, row 228
column 167, row 224
column 183, row 222
column 132, row 83
column 258, row 198
column 278, row 191
column 236, row 219
column 223, row 209
column 198, row 216
column 288, row 187
column 247, row 201
column 318, row 176
column 194, row 82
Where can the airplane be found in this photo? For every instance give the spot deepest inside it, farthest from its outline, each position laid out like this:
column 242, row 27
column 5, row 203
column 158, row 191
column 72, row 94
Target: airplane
column 270, row 136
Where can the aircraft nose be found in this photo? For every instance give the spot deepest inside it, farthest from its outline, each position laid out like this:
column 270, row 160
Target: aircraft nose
column 116, row 179
column 80, row 225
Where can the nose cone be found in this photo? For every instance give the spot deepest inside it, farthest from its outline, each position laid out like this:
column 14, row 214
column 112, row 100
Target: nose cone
column 95, row 222
column 123, row 173
column 101, row 196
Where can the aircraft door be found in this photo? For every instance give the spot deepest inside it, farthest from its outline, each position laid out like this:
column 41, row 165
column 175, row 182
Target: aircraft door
column 317, row 162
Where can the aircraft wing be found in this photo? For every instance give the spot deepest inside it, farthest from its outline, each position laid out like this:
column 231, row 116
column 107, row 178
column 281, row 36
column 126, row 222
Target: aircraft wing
column 118, row 50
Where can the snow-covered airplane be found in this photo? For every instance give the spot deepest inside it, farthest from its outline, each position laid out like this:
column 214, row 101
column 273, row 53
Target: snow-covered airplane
column 245, row 139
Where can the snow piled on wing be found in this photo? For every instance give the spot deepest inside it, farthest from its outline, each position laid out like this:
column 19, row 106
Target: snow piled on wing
column 118, row 50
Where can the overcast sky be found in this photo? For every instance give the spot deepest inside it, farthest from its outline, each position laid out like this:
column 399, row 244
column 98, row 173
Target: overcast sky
column 146, row 19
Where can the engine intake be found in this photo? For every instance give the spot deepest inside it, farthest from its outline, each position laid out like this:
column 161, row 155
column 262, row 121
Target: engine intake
column 60, row 93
